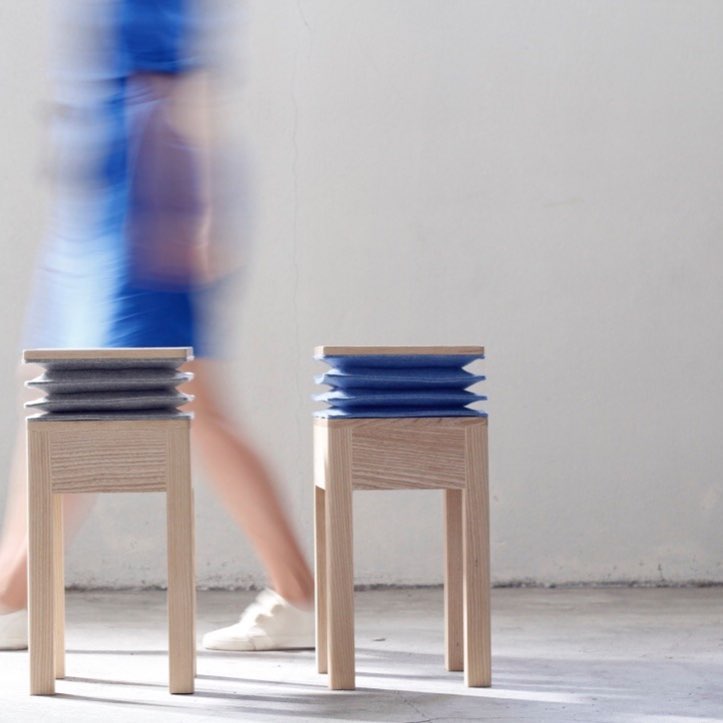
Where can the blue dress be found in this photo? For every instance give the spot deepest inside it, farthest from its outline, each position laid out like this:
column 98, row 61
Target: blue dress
column 116, row 267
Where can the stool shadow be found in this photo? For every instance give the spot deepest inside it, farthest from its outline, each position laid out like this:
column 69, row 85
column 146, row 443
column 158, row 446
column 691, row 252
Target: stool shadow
column 97, row 651
column 105, row 681
column 308, row 708
column 117, row 701
column 291, row 654
column 569, row 686
column 257, row 681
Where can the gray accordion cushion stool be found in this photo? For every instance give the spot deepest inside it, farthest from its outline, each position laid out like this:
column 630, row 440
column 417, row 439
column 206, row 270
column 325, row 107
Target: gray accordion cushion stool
column 108, row 422
column 399, row 418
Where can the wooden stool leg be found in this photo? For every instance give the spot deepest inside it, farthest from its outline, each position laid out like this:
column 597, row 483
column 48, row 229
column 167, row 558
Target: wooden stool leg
column 181, row 584
column 339, row 555
column 40, row 563
column 59, row 586
column 320, row 577
column 453, row 612
column 475, row 522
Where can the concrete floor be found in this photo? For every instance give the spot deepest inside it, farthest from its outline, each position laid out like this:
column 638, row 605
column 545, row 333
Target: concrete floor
column 558, row 655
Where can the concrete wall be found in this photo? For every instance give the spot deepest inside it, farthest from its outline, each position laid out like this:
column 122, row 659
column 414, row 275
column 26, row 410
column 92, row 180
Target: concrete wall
column 540, row 177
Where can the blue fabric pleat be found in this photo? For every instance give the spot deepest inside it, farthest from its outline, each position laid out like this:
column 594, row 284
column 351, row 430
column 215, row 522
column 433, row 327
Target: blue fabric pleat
column 417, row 385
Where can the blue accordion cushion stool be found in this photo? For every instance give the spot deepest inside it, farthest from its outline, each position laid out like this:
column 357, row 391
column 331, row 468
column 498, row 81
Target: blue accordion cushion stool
column 400, row 418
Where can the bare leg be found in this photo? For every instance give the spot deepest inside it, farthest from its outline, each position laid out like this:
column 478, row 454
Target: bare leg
column 14, row 543
column 237, row 474
column 244, row 485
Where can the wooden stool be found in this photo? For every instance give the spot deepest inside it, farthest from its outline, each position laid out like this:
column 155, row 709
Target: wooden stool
column 109, row 425
column 358, row 448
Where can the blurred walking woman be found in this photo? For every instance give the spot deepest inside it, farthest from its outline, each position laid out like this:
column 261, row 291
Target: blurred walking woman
column 131, row 256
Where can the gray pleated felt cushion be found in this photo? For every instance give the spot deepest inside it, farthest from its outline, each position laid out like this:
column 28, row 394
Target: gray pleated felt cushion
column 102, row 416
column 66, row 381
column 109, row 364
column 110, row 384
column 110, row 401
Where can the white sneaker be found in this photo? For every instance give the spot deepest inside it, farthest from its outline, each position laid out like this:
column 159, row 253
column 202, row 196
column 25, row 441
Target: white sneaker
column 269, row 623
column 14, row 630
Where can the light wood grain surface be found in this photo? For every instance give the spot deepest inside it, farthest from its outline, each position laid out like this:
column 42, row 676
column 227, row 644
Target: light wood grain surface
column 59, row 586
column 401, row 453
column 449, row 453
column 121, row 353
column 396, row 350
column 475, row 524
column 320, row 581
column 107, row 456
column 453, row 581
column 40, row 566
column 181, row 585
column 340, row 564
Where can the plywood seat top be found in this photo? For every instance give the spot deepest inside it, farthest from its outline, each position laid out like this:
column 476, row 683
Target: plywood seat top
column 472, row 351
column 128, row 356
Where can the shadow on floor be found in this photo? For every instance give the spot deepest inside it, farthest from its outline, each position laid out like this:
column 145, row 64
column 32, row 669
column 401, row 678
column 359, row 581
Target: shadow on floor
column 413, row 686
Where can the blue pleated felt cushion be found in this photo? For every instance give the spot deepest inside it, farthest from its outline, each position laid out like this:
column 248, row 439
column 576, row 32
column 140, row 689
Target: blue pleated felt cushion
column 414, row 378
column 391, row 411
column 414, row 385
column 353, row 362
column 411, row 397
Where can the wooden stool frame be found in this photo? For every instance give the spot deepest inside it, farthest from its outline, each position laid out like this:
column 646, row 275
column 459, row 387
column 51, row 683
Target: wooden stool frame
column 115, row 455
column 448, row 453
